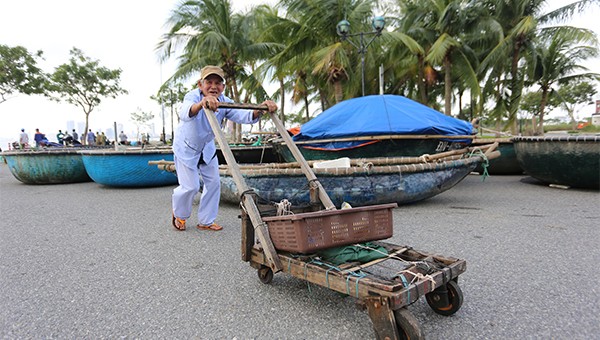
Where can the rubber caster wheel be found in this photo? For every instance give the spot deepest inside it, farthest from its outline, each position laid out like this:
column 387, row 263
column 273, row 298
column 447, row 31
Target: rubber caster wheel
column 442, row 305
column 265, row 274
column 407, row 325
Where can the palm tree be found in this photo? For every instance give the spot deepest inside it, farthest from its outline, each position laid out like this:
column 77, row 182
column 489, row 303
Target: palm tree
column 207, row 32
column 558, row 60
column 407, row 46
column 272, row 29
column 312, row 27
column 522, row 22
column 438, row 39
column 450, row 46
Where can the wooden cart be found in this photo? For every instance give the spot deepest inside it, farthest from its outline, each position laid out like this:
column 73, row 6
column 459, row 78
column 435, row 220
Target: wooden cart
column 386, row 286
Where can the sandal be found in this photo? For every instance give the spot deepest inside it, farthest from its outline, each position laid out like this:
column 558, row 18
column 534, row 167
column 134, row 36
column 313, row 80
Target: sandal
column 178, row 223
column 212, row 227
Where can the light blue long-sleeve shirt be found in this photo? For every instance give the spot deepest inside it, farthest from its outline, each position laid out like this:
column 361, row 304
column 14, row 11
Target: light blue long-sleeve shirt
column 194, row 135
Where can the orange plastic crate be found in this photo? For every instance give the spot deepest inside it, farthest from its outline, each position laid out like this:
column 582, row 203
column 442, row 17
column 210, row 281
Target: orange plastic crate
column 309, row 232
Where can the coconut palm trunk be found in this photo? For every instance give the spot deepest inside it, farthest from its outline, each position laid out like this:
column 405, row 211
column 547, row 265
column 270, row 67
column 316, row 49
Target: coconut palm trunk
column 447, row 86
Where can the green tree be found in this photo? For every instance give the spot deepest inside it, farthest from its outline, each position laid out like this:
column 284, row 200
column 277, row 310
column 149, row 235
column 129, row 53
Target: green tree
column 450, row 47
column 207, row 32
column 530, row 105
column 84, row 83
column 169, row 95
column 574, row 94
column 140, row 119
column 19, row 72
column 406, row 69
column 274, row 68
column 323, row 61
column 522, row 22
column 557, row 60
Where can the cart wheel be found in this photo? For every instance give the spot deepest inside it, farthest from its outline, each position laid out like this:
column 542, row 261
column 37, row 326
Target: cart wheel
column 265, row 274
column 408, row 326
column 440, row 304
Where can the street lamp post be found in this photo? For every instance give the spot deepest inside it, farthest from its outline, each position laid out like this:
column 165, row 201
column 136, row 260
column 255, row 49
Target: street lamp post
column 343, row 30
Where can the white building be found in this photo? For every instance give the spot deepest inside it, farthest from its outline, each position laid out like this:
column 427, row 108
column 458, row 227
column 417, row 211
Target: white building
column 596, row 116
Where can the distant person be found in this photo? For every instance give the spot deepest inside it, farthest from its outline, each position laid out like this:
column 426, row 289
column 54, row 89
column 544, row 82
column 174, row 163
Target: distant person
column 100, row 140
column 123, row 138
column 105, row 139
column 67, row 138
column 144, row 138
column 195, row 151
column 75, row 136
column 59, row 137
column 23, row 139
column 39, row 138
column 91, row 138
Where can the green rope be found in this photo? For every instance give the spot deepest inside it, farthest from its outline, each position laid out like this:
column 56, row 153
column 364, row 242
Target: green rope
column 358, row 279
column 484, row 164
column 327, row 276
column 406, row 285
column 306, row 275
column 347, row 286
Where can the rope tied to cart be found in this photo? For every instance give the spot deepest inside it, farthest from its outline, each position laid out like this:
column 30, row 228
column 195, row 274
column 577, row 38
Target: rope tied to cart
column 416, row 276
column 284, row 208
column 249, row 191
column 312, row 183
column 358, row 275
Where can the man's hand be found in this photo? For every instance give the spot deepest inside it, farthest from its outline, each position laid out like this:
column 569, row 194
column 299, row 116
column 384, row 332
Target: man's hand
column 271, row 107
column 210, row 102
column 270, row 104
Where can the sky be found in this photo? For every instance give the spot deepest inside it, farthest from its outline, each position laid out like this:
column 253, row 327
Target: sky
column 120, row 34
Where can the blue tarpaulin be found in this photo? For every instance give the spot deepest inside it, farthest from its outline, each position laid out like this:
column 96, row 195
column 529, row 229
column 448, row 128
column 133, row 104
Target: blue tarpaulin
column 380, row 115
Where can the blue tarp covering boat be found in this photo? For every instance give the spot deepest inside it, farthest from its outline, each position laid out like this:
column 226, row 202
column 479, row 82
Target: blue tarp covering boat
column 379, row 115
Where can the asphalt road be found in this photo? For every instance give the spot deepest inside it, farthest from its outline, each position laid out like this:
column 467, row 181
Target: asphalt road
column 88, row 261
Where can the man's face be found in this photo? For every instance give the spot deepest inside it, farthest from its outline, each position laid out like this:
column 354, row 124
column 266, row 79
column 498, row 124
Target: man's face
column 212, row 85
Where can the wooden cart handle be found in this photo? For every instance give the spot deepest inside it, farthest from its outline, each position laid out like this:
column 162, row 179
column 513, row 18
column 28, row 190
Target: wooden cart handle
column 243, row 106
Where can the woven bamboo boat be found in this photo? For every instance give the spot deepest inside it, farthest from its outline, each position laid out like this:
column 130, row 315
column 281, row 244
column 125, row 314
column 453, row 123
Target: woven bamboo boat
column 251, row 154
column 367, row 181
column 507, row 163
column 47, row 166
column 377, row 146
column 565, row 160
column 128, row 167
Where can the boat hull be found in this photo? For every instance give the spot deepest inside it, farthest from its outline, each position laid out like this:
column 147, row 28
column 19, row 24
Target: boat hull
column 383, row 148
column 46, row 166
column 506, row 164
column 565, row 160
column 251, row 154
column 357, row 189
column 128, row 168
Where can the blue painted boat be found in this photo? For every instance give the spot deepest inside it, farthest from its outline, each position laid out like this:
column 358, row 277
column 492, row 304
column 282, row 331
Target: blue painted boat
column 128, row 167
column 47, row 166
column 400, row 180
column 565, row 160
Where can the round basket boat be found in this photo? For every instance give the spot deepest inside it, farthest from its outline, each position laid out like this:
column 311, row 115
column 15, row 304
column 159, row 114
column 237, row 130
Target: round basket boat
column 47, row 166
column 128, row 167
column 565, row 160
column 507, row 163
